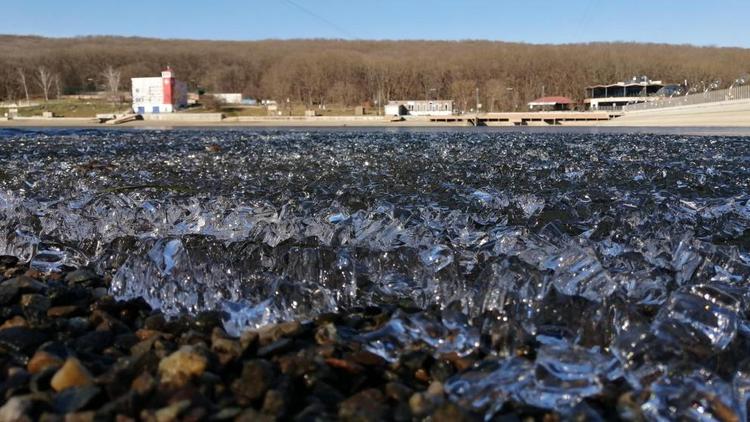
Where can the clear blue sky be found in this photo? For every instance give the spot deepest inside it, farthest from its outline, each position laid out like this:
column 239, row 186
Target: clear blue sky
column 701, row 22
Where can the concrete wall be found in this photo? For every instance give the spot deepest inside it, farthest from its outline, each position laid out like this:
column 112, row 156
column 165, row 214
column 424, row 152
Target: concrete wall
column 724, row 113
column 184, row 117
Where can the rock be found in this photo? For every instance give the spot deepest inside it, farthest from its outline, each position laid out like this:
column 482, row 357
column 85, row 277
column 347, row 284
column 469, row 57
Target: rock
column 15, row 409
column 35, row 306
column 249, row 339
column 155, row 322
column 182, row 365
column 206, row 321
column 275, row 403
column 143, row 384
column 16, row 321
column 272, row 333
column 74, row 399
column 71, row 374
column 398, row 392
column 78, row 325
column 449, row 412
column 172, row 412
column 280, row 346
column 350, row 367
column 226, row 349
column 82, row 276
column 43, row 360
column 21, row 339
column 257, row 377
column 62, row 311
column 252, row 415
column 436, row 389
column 9, row 291
column 367, row 405
column 94, row 341
column 325, row 334
column 422, row 404
column 8, row 261
column 89, row 416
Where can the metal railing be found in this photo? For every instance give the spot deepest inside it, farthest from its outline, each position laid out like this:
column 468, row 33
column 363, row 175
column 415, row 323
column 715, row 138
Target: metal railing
column 737, row 93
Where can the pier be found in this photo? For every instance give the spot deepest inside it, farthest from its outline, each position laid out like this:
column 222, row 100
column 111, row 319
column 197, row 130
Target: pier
column 551, row 118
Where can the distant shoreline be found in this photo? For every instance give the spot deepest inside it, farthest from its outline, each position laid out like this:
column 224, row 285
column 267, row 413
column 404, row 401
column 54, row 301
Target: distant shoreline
column 607, row 127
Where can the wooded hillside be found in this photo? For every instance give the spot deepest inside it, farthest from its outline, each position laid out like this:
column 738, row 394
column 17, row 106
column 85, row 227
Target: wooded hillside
column 354, row 72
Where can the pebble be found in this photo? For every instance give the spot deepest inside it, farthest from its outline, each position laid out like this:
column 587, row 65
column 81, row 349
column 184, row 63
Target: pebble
column 182, row 365
column 43, row 360
column 82, row 275
column 73, row 399
column 257, row 377
column 172, row 412
column 21, row 339
column 367, row 405
column 71, row 374
column 15, row 409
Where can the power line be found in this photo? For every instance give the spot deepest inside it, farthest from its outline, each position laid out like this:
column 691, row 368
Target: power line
column 333, row 25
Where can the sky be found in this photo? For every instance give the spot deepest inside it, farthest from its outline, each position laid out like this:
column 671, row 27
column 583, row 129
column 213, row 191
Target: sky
column 699, row 22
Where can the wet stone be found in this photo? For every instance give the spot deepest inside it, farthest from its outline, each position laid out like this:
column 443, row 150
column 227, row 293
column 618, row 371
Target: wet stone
column 368, row 405
column 16, row 409
column 71, row 374
column 256, row 378
column 75, row 398
column 182, row 365
column 63, row 311
column 8, row 261
column 43, row 360
column 35, row 306
column 82, row 276
column 277, row 347
column 21, row 339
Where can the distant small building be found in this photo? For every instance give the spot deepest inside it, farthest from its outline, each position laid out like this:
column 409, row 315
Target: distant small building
column 615, row 96
column 419, row 108
column 229, row 98
column 163, row 94
column 551, row 104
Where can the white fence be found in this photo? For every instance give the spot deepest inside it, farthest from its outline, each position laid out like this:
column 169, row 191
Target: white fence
column 737, row 93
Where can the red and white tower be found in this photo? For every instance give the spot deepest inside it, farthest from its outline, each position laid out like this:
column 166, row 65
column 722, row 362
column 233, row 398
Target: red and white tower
column 168, row 83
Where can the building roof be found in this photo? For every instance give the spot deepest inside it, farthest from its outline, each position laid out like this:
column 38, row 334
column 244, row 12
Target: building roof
column 552, row 101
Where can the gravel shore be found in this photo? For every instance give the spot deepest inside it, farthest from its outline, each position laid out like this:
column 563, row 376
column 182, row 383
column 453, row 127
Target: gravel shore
column 69, row 351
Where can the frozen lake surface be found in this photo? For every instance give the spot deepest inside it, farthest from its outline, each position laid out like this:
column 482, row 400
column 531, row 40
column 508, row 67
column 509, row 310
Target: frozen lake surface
column 581, row 264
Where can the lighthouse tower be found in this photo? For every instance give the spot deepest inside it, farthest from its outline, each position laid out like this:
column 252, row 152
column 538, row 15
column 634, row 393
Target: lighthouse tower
column 168, row 86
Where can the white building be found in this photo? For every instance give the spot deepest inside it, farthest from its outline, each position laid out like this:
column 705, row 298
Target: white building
column 419, row 108
column 163, row 94
column 228, row 98
column 617, row 95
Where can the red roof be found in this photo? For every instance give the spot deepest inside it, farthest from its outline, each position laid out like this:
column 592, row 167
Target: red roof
column 554, row 100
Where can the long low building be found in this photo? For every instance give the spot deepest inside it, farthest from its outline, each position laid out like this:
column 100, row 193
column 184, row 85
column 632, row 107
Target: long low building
column 617, row 95
column 419, row 108
column 163, row 94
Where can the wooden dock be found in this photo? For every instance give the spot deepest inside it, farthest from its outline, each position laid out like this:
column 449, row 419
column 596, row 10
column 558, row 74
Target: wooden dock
column 541, row 118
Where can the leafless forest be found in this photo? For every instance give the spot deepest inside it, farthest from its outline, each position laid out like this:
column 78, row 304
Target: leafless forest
column 356, row 72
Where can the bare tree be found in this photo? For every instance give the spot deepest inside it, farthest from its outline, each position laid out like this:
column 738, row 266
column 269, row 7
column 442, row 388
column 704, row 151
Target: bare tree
column 58, row 86
column 112, row 82
column 496, row 91
column 44, row 79
column 462, row 91
column 22, row 78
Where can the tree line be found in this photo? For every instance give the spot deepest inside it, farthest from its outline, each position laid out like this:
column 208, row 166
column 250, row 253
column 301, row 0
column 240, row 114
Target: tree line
column 317, row 72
